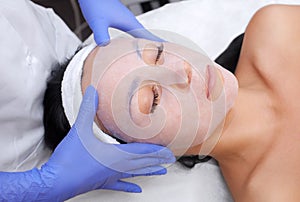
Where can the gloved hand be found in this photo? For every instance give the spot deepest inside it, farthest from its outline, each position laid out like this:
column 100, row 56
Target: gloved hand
column 73, row 170
column 102, row 14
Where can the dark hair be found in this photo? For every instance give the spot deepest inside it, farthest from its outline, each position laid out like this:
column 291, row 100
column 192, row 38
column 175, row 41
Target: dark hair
column 230, row 57
column 56, row 123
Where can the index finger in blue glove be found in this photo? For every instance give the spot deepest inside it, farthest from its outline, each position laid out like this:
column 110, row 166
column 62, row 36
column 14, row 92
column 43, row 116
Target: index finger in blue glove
column 131, row 156
column 123, row 186
column 147, row 171
column 144, row 34
column 102, row 14
column 151, row 150
column 131, row 187
column 101, row 36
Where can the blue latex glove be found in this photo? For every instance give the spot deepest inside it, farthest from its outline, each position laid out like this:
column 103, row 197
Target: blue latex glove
column 72, row 170
column 102, row 14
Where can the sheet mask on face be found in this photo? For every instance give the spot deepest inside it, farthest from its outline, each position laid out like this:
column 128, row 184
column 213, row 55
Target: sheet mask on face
column 184, row 76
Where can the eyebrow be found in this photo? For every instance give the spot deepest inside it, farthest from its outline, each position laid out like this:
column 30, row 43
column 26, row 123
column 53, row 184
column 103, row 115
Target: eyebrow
column 137, row 48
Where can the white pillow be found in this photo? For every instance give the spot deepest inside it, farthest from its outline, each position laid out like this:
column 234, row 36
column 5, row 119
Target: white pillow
column 211, row 24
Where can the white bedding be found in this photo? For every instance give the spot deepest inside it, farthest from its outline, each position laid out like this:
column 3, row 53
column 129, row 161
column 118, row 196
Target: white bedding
column 211, row 24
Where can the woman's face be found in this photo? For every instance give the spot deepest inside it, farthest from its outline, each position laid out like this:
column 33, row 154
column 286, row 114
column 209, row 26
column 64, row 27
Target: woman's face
column 158, row 93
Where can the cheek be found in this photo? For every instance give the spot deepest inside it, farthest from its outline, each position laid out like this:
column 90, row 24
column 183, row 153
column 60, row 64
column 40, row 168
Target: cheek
column 173, row 117
column 205, row 107
column 139, row 118
column 104, row 115
column 199, row 89
column 204, row 121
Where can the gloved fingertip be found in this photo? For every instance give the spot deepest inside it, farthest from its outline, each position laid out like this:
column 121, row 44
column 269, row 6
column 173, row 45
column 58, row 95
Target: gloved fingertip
column 92, row 92
column 172, row 159
column 102, row 40
column 145, row 34
column 168, row 160
column 166, row 154
column 103, row 43
column 134, row 189
column 170, row 156
column 163, row 171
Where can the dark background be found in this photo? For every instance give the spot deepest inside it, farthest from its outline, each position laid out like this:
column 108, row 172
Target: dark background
column 70, row 12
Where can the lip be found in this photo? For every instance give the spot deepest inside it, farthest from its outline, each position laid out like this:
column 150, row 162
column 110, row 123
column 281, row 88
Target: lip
column 210, row 80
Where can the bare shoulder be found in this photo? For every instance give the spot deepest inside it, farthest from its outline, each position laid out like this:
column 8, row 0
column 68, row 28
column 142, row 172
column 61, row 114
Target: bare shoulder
column 271, row 45
column 268, row 13
column 275, row 24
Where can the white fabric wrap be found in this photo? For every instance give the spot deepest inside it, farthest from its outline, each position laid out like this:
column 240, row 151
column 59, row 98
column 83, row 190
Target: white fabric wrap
column 72, row 94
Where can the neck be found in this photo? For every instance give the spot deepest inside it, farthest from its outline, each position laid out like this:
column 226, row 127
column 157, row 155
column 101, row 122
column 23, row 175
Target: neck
column 243, row 127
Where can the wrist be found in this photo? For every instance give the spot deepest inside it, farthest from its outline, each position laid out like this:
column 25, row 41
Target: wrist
column 23, row 186
column 61, row 185
column 51, row 184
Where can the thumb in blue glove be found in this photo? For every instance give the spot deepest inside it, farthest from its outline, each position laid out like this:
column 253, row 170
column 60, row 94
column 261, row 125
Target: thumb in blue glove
column 73, row 170
column 102, row 14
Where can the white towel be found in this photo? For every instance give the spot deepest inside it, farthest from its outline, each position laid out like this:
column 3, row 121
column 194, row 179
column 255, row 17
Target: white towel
column 71, row 91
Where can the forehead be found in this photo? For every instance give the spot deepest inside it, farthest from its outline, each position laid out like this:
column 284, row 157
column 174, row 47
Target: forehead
column 125, row 52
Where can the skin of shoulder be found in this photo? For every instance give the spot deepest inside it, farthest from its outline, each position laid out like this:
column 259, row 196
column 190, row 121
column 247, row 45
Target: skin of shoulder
column 269, row 63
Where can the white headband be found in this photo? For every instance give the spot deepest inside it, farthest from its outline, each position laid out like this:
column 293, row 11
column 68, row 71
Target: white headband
column 72, row 95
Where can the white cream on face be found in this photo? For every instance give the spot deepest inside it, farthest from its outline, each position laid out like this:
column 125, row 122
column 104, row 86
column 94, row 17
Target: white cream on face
column 184, row 116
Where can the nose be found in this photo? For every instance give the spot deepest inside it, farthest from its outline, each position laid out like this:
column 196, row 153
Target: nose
column 184, row 71
column 188, row 71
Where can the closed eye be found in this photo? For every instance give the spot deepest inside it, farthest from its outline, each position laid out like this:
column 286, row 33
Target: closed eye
column 153, row 54
column 160, row 50
column 156, row 97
